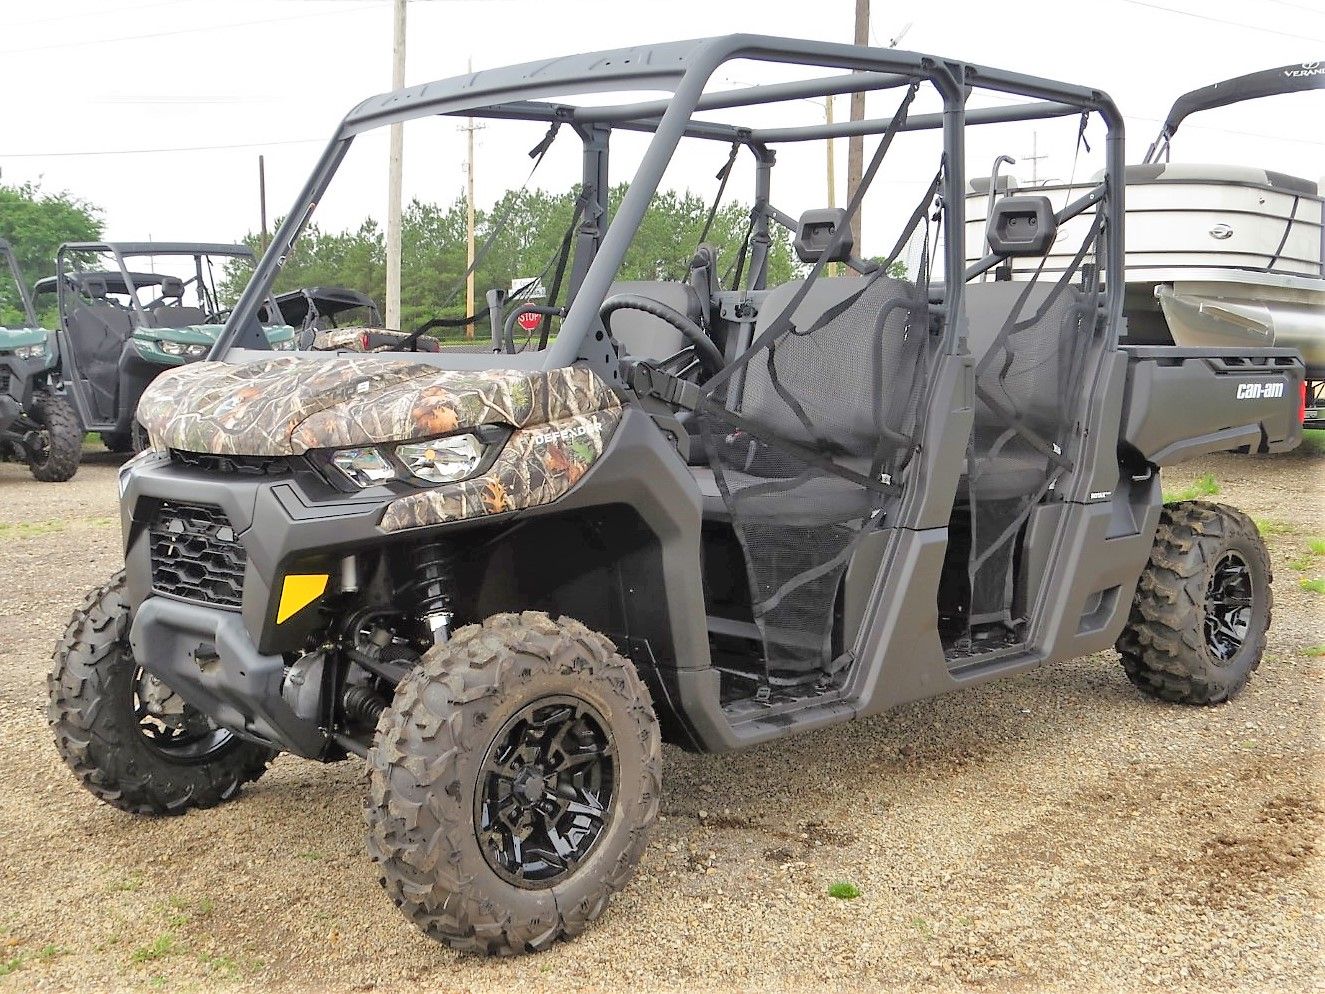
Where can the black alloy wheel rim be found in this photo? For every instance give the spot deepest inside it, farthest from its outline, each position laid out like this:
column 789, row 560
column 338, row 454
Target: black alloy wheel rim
column 545, row 790
column 1228, row 604
column 195, row 739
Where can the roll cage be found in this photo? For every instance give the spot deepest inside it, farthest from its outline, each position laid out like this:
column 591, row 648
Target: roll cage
column 528, row 92
column 24, row 297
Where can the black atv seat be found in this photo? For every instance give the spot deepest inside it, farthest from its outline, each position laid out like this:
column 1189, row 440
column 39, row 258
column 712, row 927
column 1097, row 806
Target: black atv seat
column 1029, row 379
column 850, row 376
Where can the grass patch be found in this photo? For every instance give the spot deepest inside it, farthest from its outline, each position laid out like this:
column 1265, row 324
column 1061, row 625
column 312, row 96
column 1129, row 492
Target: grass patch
column 1315, row 651
column 312, row 856
column 160, row 947
column 1268, row 526
column 844, row 891
column 49, row 952
column 11, row 965
column 1205, row 486
column 1313, row 440
column 133, row 882
column 1315, row 586
column 1316, row 545
column 33, row 529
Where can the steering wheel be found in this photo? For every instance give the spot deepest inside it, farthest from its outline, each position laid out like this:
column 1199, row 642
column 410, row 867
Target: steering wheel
column 709, row 356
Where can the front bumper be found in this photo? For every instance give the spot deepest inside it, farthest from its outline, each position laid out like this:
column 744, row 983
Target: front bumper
column 287, row 520
column 206, row 656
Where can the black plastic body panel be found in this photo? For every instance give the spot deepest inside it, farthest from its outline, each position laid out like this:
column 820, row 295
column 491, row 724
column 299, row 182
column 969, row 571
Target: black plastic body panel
column 1185, row 402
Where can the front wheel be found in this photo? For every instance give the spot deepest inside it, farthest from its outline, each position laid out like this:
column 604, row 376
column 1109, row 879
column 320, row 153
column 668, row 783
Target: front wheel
column 60, row 439
column 1202, row 607
column 513, row 783
column 129, row 738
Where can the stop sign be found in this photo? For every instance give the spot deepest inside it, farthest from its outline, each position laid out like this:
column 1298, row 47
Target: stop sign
column 528, row 320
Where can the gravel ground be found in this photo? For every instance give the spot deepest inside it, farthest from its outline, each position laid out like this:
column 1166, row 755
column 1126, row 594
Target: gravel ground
column 1051, row 831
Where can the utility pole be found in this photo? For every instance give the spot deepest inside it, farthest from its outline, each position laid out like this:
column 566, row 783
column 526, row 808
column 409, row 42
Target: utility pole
column 469, row 129
column 832, row 169
column 394, row 183
column 262, row 200
column 856, row 143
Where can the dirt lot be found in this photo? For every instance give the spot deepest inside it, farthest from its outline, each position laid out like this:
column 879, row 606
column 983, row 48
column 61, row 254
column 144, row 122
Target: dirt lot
column 1053, row 831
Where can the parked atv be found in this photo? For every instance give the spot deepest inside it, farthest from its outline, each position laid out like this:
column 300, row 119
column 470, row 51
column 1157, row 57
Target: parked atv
column 714, row 511
column 37, row 424
column 121, row 327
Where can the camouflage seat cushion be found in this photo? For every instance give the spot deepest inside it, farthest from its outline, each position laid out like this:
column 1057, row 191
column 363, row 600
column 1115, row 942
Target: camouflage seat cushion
column 288, row 405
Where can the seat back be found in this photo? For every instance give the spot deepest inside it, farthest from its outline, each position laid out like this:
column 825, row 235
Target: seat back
column 1031, row 373
column 644, row 336
column 174, row 316
column 850, row 378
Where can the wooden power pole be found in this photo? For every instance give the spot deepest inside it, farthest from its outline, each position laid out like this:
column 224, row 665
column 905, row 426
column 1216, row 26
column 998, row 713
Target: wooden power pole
column 262, row 200
column 856, row 143
column 470, row 128
column 393, row 194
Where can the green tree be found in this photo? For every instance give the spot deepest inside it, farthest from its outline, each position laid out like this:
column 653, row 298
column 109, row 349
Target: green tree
column 35, row 223
column 529, row 226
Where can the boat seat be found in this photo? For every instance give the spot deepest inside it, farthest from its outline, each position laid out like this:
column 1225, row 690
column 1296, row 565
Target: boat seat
column 1175, row 172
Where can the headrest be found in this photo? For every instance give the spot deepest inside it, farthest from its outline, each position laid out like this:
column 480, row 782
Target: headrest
column 172, row 286
column 815, row 230
column 94, row 287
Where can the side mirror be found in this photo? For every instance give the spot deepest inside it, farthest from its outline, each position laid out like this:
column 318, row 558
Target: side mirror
column 1022, row 226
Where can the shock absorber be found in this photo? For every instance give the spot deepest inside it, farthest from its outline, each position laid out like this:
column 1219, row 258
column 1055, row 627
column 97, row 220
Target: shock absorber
column 431, row 587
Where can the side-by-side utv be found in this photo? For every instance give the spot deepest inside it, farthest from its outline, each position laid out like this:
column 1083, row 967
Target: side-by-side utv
column 37, row 424
column 131, row 310
column 713, row 511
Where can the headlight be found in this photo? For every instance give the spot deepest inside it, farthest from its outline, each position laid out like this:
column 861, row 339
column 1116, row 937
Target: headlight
column 288, row 345
column 363, row 467
column 37, row 351
column 443, row 460
column 181, row 349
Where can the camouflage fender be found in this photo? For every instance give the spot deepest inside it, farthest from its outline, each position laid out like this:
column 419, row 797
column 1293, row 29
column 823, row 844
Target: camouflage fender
column 288, row 405
column 538, row 465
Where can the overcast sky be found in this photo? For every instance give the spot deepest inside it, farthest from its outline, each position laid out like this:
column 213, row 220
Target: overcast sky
column 156, row 110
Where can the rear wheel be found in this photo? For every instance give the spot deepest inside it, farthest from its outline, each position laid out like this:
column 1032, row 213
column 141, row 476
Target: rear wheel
column 513, row 783
column 60, row 439
column 129, row 738
column 1202, row 607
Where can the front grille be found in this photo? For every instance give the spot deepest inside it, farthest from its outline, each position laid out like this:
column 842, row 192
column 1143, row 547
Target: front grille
column 232, row 465
column 4, row 380
column 196, row 555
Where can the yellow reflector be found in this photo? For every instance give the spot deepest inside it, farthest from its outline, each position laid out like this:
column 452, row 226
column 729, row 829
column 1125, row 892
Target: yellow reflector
column 298, row 591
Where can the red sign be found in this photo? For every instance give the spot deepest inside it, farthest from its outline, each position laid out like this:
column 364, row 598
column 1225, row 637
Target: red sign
column 528, row 320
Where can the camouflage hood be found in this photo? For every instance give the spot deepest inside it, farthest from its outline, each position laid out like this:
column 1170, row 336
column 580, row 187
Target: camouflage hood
column 288, row 405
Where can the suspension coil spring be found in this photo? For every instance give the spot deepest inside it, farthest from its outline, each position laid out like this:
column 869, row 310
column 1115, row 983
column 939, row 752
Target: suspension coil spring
column 362, row 705
column 431, row 586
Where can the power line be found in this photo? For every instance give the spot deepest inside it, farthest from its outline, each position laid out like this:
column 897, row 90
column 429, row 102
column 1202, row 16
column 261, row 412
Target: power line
column 1221, row 20
column 158, row 151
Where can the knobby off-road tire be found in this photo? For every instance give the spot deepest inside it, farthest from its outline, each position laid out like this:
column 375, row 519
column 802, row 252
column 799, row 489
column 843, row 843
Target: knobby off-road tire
column 430, row 779
column 64, row 446
column 1188, row 640
column 98, row 732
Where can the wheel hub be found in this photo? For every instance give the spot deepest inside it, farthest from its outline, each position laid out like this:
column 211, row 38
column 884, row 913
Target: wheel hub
column 544, row 793
column 1228, row 603
column 171, row 725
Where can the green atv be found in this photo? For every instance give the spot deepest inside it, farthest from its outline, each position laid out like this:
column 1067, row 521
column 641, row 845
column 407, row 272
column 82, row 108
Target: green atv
column 38, row 425
column 122, row 325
